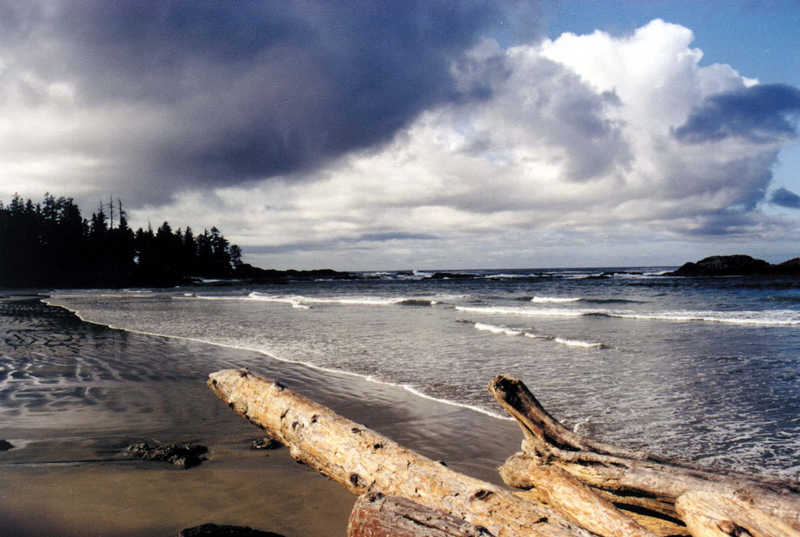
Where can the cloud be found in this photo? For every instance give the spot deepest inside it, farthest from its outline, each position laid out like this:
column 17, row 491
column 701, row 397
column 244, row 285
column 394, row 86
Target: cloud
column 158, row 97
column 785, row 198
column 760, row 114
column 388, row 134
column 561, row 149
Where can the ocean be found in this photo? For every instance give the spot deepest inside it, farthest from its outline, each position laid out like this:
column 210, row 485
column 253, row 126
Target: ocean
column 702, row 369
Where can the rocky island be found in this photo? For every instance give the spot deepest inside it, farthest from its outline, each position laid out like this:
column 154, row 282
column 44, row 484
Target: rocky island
column 738, row 265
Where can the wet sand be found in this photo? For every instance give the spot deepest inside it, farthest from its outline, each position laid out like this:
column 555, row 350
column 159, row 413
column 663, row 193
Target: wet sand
column 271, row 493
column 73, row 395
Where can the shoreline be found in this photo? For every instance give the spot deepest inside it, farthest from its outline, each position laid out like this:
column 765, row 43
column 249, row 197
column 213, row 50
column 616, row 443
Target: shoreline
column 369, row 378
column 68, row 475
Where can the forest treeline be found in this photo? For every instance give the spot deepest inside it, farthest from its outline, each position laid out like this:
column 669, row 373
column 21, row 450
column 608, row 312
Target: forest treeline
column 50, row 244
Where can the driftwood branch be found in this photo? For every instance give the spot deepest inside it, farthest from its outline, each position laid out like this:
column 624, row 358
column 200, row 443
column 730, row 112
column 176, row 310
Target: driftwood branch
column 640, row 483
column 365, row 461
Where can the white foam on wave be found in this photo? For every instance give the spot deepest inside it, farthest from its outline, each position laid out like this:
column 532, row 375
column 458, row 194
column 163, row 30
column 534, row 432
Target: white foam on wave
column 502, row 330
column 553, row 300
column 742, row 318
column 498, row 310
column 577, row 343
column 498, row 329
column 411, row 389
column 294, row 301
column 585, row 276
column 303, row 300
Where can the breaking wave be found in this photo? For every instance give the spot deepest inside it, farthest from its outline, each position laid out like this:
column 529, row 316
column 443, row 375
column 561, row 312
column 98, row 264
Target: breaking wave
column 502, row 330
column 743, row 318
column 553, row 300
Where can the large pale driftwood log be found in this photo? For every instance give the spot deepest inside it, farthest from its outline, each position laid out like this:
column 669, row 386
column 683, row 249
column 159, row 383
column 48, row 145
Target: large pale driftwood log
column 630, row 479
column 365, row 461
column 376, row 515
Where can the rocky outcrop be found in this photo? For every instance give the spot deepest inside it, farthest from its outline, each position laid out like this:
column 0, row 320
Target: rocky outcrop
column 182, row 455
column 215, row 530
column 737, row 265
column 259, row 275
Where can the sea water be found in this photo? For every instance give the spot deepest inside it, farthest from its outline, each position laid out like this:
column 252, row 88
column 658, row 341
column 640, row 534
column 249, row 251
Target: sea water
column 704, row 369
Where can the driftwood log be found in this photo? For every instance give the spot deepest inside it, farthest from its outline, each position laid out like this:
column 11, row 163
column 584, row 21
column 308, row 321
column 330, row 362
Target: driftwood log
column 376, row 515
column 365, row 461
column 667, row 497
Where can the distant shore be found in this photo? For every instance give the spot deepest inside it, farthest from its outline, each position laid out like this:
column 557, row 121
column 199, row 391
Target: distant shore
column 97, row 390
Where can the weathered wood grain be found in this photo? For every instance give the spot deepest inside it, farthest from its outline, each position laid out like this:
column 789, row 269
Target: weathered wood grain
column 376, row 515
column 714, row 515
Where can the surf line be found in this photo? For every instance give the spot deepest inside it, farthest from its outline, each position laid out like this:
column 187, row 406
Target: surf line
column 369, row 378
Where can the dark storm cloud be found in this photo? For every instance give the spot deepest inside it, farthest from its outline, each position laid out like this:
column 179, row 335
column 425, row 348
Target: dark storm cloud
column 724, row 222
column 760, row 114
column 785, row 198
column 247, row 90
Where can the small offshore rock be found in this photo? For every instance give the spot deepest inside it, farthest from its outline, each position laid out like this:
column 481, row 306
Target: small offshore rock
column 214, row 530
column 265, row 443
column 184, row 455
column 5, row 445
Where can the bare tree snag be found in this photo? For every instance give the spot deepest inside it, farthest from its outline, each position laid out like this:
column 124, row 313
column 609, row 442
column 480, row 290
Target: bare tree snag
column 365, row 461
column 632, row 480
column 713, row 515
column 376, row 515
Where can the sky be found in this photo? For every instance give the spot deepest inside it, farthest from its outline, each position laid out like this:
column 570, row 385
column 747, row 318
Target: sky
column 441, row 134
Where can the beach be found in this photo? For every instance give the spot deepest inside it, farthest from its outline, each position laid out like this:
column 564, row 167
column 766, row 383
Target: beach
column 74, row 395
column 703, row 370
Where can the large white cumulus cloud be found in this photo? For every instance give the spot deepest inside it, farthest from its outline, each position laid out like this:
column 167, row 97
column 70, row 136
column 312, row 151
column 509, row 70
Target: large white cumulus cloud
column 576, row 138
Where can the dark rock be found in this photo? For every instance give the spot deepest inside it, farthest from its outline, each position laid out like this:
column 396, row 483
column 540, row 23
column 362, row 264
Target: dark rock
column 790, row 267
column 250, row 273
column 183, row 455
column 725, row 265
column 214, row 530
column 5, row 445
column 451, row 276
column 265, row 443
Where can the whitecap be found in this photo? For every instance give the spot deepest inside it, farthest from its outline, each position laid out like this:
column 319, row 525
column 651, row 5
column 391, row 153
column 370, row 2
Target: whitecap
column 553, row 300
column 577, row 343
column 498, row 329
